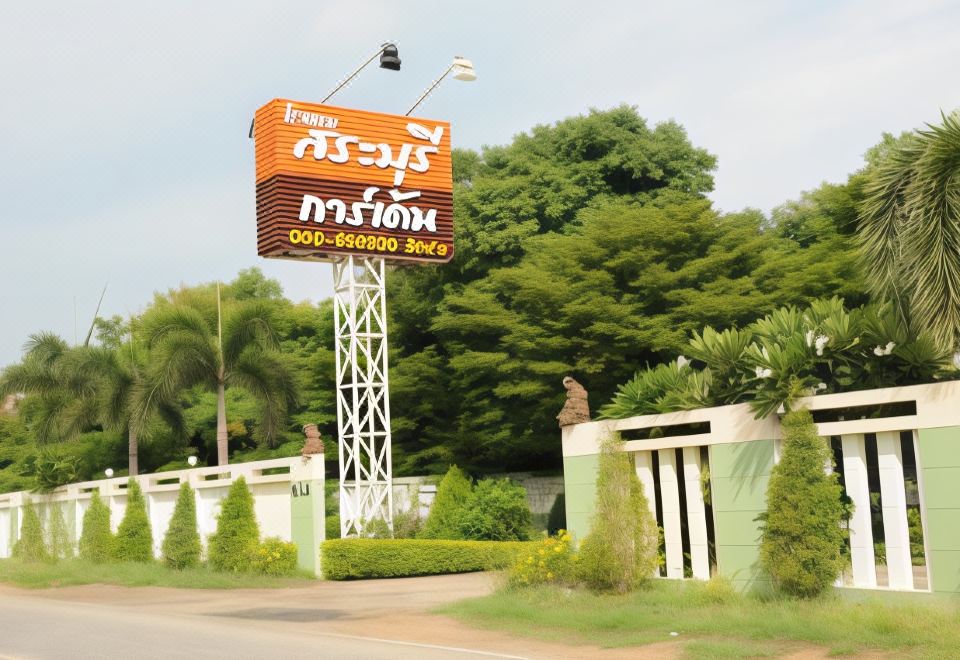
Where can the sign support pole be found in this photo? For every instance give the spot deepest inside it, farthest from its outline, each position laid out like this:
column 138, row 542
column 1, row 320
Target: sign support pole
column 363, row 401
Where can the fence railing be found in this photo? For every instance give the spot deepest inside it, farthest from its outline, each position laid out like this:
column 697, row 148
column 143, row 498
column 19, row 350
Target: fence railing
column 287, row 494
column 705, row 473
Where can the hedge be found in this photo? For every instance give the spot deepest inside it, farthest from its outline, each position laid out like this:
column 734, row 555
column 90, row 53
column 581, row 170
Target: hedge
column 345, row 559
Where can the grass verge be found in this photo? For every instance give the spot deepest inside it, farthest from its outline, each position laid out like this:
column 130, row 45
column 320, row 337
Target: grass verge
column 713, row 621
column 76, row 571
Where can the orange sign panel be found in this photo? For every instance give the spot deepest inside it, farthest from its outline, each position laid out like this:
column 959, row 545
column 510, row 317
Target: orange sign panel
column 334, row 181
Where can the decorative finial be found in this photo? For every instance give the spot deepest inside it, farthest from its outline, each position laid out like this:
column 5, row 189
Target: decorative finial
column 576, row 410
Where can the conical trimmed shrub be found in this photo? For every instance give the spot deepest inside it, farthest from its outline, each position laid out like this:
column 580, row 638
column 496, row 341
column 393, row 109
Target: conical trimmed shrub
column 60, row 545
column 801, row 535
column 233, row 546
column 181, row 545
column 30, row 547
column 443, row 521
column 96, row 539
column 134, row 538
column 620, row 551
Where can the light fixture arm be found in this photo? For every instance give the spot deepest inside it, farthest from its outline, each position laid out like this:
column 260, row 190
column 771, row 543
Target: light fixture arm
column 430, row 89
column 357, row 71
column 353, row 75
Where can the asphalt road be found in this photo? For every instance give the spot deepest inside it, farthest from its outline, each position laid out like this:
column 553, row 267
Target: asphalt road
column 43, row 628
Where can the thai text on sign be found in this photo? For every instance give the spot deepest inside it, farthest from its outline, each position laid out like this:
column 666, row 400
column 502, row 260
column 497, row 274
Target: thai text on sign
column 334, row 181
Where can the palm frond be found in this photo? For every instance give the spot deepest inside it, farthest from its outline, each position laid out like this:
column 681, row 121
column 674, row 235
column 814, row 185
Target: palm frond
column 245, row 325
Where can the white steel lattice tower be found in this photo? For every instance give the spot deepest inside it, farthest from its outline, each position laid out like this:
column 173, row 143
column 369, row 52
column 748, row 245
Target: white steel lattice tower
column 363, row 403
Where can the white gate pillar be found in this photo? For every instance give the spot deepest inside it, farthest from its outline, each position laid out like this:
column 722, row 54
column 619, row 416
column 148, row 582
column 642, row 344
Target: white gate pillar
column 894, row 500
column 861, row 529
column 696, row 514
column 670, row 505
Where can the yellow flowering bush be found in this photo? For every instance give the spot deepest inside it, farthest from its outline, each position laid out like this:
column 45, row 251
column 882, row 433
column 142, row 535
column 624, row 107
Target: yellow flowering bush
column 275, row 557
column 551, row 561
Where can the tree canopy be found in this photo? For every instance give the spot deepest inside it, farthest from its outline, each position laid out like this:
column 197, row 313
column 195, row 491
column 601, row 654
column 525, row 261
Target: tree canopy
column 587, row 248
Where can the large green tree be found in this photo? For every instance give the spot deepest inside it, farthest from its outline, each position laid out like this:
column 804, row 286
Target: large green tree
column 910, row 228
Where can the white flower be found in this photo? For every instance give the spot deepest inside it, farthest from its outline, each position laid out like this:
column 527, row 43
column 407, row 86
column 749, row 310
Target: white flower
column 809, row 336
column 821, row 341
column 821, row 386
column 763, row 373
column 884, row 350
column 956, row 360
column 682, row 362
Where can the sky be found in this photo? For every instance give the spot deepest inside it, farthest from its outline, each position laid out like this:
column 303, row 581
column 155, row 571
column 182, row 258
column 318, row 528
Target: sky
column 124, row 158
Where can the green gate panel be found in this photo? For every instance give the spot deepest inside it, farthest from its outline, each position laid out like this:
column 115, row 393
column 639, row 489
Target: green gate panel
column 739, row 474
column 580, row 492
column 939, row 460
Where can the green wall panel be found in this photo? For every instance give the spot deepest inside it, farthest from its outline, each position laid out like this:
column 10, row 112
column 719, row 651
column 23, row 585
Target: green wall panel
column 739, row 473
column 939, row 460
column 580, row 488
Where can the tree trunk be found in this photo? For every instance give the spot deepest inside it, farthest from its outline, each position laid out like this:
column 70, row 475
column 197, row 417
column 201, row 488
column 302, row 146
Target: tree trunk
column 133, row 449
column 221, row 425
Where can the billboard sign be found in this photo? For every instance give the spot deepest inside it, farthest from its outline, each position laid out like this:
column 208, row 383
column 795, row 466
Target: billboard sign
column 335, row 181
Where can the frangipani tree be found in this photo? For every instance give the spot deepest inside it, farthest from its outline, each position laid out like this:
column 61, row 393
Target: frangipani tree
column 789, row 353
column 909, row 231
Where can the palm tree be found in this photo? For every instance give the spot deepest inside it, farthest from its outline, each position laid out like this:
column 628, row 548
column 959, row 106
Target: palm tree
column 122, row 386
column 909, row 232
column 236, row 346
column 60, row 379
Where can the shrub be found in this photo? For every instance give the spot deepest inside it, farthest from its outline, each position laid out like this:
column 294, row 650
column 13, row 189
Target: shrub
column 233, row 545
column 96, row 540
column 448, row 506
column 134, row 541
column 620, row 552
column 551, row 561
column 275, row 557
column 30, row 547
column 332, row 525
column 59, row 538
column 557, row 520
column 376, row 528
column 181, row 545
column 496, row 510
column 801, row 534
column 407, row 524
column 344, row 559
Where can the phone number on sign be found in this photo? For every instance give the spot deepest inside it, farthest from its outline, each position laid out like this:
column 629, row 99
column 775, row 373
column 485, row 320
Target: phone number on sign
column 389, row 244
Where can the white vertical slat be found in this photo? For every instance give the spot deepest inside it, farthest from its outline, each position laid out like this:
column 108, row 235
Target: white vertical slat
column 696, row 514
column 643, row 462
column 670, row 505
column 894, row 499
column 861, row 529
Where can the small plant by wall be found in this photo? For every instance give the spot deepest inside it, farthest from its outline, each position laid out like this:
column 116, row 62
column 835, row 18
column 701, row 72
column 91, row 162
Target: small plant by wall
column 801, row 535
column 96, row 540
column 275, row 557
column 31, row 547
column 620, row 552
column 181, row 544
column 134, row 540
column 233, row 546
